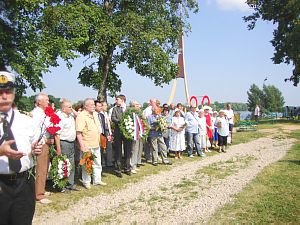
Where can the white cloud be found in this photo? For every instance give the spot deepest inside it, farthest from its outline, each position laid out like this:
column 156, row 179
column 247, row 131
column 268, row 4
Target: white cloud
column 240, row 5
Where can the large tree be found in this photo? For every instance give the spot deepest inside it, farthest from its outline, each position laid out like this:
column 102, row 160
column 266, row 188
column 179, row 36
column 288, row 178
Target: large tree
column 273, row 99
column 255, row 97
column 140, row 33
column 20, row 48
column 269, row 98
column 285, row 15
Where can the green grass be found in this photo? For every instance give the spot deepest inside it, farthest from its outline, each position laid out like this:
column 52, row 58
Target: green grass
column 221, row 170
column 244, row 137
column 272, row 197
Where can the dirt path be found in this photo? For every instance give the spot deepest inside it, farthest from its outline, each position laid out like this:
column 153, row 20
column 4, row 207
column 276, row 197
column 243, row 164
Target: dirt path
column 188, row 193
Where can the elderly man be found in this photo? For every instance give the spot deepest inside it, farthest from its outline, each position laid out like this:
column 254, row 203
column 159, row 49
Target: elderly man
column 156, row 139
column 192, row 132
column 17, row 197
column 137, row 145
column 88, row 130
column 38, row 115
column 65, row 138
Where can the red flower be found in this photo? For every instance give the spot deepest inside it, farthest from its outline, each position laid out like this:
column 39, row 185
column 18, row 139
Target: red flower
column 54, row 119
column 49, row 111
column 53, row 130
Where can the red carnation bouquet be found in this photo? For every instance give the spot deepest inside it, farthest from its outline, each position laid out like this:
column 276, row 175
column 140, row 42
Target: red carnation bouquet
column 52, row 128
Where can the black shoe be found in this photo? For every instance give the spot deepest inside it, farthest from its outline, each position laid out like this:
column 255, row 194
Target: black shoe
column 128, row 173
column 119, row 175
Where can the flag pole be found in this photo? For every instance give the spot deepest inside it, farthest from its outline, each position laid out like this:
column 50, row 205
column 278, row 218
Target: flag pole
column 181, row 71
column 172, row 92
column 184, row 76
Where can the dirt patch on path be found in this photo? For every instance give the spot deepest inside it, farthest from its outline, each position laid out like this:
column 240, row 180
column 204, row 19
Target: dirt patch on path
column 188, row 193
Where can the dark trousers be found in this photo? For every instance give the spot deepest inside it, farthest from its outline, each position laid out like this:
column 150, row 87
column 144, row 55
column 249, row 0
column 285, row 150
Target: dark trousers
column 120, row 141
column 17, row 201
column 222, row 140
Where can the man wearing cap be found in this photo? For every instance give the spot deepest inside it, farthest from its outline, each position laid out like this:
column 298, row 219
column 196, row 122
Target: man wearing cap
column 192, row 132
column 18, row 145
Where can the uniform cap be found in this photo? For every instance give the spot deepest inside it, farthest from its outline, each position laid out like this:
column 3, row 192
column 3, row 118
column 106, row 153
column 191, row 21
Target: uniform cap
column 7, row 80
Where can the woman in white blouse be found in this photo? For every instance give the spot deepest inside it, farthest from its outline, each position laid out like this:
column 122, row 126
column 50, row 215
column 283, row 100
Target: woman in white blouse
column 177, row 138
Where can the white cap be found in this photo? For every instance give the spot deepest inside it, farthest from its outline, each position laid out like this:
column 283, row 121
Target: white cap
column 207, row 107
column 7, row 80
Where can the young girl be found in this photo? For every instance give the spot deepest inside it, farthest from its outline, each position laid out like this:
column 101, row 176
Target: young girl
column 202, row 130
column 223, row 130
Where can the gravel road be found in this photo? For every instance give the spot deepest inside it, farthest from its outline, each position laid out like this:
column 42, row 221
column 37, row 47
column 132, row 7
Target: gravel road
column 188, row 193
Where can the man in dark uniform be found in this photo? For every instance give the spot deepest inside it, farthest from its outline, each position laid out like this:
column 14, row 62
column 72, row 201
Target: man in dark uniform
column 119, row 139
column 18, row 145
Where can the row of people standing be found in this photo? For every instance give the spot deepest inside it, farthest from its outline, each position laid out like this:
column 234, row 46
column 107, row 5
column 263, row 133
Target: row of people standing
column 197, row 128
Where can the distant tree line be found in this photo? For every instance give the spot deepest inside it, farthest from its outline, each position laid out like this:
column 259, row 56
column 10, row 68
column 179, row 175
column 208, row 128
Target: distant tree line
column 269, row 99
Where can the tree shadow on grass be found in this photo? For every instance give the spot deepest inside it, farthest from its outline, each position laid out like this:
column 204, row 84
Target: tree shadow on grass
column 297, row 162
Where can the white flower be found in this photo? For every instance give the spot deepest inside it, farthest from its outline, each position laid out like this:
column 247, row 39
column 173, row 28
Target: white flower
column 60, row 176
column 60, row 171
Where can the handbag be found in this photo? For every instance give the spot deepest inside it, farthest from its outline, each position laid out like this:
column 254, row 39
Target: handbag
column 103, row 141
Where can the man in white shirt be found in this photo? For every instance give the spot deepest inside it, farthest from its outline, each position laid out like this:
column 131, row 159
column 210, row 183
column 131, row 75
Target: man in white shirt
column 18, row 139
column 230, row 117
column 256, row 113
column 65, row 138
column 38, row 115
column 192, row 132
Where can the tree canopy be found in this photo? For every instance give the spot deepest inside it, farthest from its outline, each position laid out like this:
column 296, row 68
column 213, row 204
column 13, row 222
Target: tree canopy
column 285, row 15
column 269, row 98
column 140, row 33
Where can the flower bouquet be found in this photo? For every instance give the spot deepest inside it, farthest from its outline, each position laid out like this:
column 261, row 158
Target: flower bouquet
column 162, row 124
column 87, row 162
column 60, row 171
column 133, row 126
column 52, row 127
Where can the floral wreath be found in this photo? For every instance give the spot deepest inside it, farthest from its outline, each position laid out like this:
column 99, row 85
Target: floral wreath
column 87, row 162
column 60, row 171
column 133, row 126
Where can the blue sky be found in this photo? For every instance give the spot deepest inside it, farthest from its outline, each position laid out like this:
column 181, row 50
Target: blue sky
column 222, row 60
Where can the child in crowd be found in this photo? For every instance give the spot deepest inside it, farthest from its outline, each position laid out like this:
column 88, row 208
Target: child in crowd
column 215, row 136
column 202, row 130
column 223, row 131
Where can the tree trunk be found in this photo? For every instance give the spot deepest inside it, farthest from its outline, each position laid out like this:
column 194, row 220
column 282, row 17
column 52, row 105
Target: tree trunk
column 104, row 64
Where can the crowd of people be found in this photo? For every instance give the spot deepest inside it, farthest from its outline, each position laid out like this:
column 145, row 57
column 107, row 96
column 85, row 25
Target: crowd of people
column 93, row 127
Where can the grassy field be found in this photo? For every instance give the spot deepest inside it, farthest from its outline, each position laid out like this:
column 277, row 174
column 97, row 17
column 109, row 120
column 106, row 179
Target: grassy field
column 272, row 197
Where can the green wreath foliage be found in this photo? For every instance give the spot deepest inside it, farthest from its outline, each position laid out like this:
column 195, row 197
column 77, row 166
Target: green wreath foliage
column 127, row 124
column 59, row 181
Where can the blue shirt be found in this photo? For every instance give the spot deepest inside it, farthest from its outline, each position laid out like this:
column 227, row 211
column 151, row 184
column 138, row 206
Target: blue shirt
column 152, row 120
column 192, row 122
